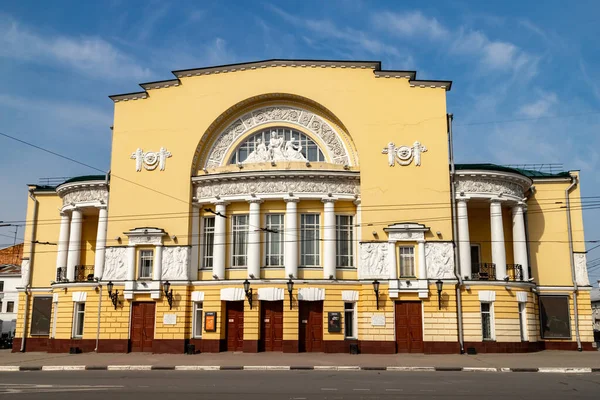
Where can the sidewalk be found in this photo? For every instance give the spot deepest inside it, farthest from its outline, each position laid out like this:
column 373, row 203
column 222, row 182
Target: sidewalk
column 544, row 359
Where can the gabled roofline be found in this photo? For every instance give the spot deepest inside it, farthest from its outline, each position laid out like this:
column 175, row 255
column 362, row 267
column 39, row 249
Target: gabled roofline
column 302, row 63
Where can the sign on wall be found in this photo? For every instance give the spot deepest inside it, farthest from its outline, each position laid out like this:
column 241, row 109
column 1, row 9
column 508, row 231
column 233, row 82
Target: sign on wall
column 334, row 322
column 210, row 321
column 170, row 319
column 378, row 320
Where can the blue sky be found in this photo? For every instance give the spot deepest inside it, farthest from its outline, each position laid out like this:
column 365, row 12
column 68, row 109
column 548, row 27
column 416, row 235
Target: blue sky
column 526, row 83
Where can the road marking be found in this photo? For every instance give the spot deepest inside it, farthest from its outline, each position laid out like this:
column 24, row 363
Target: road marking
column 63, row 368
column 9, row 368
column 348, row 368
column 420, row 369
column 479, row 369
column 129, row 367
column 566, row 370
column 197, row 368
column 325, row 368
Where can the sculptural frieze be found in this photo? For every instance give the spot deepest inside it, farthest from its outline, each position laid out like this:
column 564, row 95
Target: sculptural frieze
column 150, row 160
column 404, row 155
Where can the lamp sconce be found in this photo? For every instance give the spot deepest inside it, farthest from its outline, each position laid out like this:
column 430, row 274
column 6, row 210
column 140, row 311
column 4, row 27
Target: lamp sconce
column 118, row 239
column 440, row 285
column 168, row 293
column 290, row 289
column 248, row 291
column 376, row 290
column 114, row 297
column 174, row 238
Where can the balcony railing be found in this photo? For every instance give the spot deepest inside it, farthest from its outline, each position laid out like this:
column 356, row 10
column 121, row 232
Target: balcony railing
column 514, row 272
column 484, row 272
column 61, row 274
column 84, row 273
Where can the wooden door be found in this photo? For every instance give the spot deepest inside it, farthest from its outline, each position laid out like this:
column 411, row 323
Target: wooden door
column 235, row 325
column 142, row 326
column 409, row 328
column 310, row 337
column 271, row 330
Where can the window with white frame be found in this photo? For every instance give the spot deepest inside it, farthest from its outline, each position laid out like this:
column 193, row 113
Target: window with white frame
column 239, row 244
column 350, row 321
column 523, row 321
column 274, row 240
column 487, row 321
column 344, row 240
column 198, row 319
column 310, row 249
column 407, row 261
column 78, row 318
column 10, row 306
column 208, row 235
column 146, row 262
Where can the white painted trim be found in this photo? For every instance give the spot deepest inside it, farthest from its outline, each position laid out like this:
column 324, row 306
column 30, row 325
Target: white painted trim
column 522, row 297
column 311, row 294
column 271, row 294
column 488, row 296
column 232, row 294
column 79, row 297
column 197, row 296
column 349, row 296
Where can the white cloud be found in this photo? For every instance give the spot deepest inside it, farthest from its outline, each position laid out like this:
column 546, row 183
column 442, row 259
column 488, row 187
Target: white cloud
column 327, row 29
column 91, row 56
column 540, row 107
column 409, row 24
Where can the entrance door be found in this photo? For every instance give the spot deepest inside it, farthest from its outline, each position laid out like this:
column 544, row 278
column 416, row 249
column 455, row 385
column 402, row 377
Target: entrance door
column 235, row 325
column 409, row 329
column 142, row 326
column 271, row 326
column 310, row 338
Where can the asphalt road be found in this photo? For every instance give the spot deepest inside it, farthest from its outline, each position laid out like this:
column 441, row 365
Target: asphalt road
column 296, row 385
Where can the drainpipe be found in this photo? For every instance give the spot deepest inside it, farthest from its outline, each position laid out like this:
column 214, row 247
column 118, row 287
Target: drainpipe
column 450, row 118
column 99, row 287
column 28, row 283
column 574, row 182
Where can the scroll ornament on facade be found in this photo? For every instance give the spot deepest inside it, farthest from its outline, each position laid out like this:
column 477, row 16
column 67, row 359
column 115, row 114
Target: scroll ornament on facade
column 404, row 155
column 150, row 159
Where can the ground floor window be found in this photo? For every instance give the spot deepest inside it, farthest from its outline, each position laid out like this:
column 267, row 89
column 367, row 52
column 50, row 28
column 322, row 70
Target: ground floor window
column 78, row 318
column 350, row 321
column 555, row 317
column 40, row 316
column 197, row 320
column 487, row 321
column 523, row 321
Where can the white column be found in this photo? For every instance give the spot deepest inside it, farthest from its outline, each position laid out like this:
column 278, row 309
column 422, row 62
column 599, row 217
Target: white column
column 497, row 235
column 422, row 263
column 74, row 253
column 254, row 239
column 290, row 255
column 520, row 239
column 329, row 247
column 220, row 241
column 195, row 242
column 63, row 241
column 131, row 262
column 464, row 240
column 393, row 264
column 157, row 270
column 100, row 243
column 357, row 232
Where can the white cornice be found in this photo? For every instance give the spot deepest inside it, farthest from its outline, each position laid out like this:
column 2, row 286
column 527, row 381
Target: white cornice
column 235, row 176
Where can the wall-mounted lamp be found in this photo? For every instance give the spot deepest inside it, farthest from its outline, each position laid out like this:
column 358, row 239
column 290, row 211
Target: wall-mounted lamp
column 114, row 297
column 248, row 291
column 118, row 239
column 174, row 238
column 439, row 284
column 290, row 288
column 376, row 290
column 308, row 163
column 168, row 293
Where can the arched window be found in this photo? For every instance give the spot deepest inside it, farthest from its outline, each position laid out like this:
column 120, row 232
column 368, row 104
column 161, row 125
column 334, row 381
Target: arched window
column 277, row 144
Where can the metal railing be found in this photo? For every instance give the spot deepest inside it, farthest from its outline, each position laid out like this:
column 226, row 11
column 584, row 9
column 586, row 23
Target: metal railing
column 53, row 181
column 84, row 273
column 483, row 272
column 514, row 272
column 61, row 274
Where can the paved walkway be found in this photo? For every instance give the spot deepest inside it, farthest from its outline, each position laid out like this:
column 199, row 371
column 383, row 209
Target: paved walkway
column 570, row 359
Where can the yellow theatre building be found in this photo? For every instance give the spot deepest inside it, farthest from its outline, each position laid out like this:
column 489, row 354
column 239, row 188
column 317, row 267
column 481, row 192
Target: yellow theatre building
column 301, row 206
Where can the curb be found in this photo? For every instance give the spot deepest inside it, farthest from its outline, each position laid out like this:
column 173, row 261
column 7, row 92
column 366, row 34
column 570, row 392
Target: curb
column 56, row 368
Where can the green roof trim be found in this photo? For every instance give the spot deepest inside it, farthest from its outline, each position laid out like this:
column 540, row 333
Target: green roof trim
column 501, row 168
column 44, row 188
column 84, row 178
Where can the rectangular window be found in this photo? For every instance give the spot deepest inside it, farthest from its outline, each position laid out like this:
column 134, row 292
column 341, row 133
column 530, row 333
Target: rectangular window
column 344, row 240
column 523, row 321
column 1, row 286
column 274, row 240
column 40, row 317
column 78, row 320
column 208, row 242
column 554, row 317
column 0, row 305
column 10, row 306
column 407, row 261
column 350, row 320
column 310, row 248
column 197, row 320
column 486, row 321
column 146, row 261
column 239, row 230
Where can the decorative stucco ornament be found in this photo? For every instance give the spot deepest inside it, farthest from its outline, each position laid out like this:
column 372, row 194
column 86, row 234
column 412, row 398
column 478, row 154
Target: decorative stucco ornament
column 404, row 155
column 373, row 262
column 150, row 159
column 276, row 150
